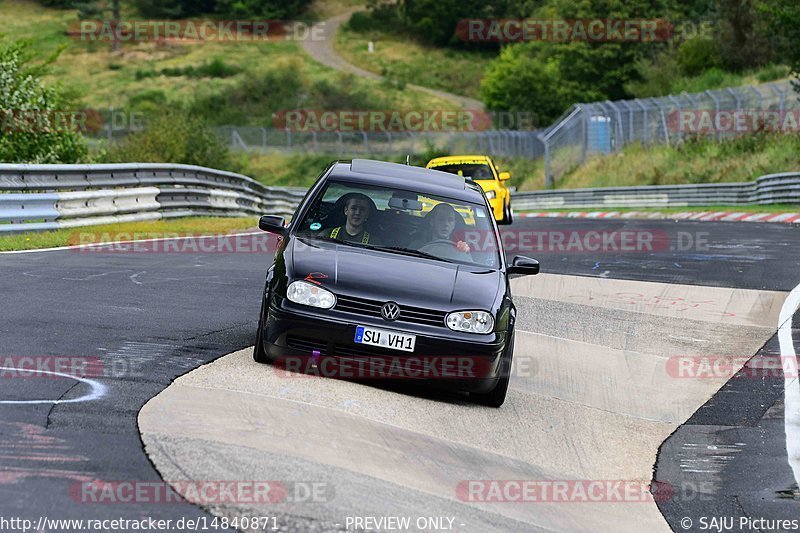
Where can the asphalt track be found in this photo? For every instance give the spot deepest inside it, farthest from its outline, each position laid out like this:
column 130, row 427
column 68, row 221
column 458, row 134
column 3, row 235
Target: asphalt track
column 149, row 318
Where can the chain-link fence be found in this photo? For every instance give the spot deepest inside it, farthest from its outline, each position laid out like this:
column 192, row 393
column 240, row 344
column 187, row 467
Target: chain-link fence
column 605, row 127
column 347, row 144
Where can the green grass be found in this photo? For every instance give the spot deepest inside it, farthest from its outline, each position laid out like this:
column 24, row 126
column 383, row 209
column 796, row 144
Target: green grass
column 109, row 80
column 777, row 208
column 402, row 59
column 716, row 78
column 196, row 226
column 695, row 161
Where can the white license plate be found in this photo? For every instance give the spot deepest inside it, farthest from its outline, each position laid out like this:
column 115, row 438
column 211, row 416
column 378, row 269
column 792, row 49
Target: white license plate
column 385, row 339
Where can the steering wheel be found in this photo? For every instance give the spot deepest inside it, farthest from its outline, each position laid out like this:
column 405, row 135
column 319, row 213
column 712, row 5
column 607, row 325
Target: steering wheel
column 444, row 248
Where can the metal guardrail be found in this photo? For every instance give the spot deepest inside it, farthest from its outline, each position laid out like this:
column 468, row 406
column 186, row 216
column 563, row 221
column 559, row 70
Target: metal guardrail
column 49, row 197
column 770, row 189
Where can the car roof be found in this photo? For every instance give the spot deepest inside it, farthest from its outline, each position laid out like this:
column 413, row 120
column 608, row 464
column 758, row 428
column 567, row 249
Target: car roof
column 416, row 179
column 458, row 159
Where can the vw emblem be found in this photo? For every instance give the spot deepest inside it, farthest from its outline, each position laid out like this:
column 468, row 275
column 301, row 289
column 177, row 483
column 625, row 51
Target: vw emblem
column 390, row 311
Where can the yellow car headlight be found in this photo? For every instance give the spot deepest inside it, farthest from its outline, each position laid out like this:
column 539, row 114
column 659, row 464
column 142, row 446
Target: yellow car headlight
column 491, row 195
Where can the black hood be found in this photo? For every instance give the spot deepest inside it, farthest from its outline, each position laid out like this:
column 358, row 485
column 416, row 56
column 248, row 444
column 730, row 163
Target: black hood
column 382, row 276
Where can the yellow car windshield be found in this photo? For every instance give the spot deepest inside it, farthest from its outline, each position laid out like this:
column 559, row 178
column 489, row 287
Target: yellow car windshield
column 475, row 171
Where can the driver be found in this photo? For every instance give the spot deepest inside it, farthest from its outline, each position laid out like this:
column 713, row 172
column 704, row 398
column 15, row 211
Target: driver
column 357, row 209
column 442, row 224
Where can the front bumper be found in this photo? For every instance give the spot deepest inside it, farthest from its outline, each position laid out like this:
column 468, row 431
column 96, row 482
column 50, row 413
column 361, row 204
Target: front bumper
column 497, row 204
column 322, row 341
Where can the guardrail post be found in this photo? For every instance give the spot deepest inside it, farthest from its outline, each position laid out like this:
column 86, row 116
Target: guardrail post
column 548, row 177
column 758, row 96
column 644, row 121
column 678, row 108
column 619, row 128
column 584, row 132
column 716, row 106
column 366, row 141
column 781, row 95
column 664, row 121
column 735, row 97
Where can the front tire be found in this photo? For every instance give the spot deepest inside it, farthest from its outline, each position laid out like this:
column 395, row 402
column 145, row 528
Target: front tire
column 497, row 396
column 508, row 214
column 259, row 355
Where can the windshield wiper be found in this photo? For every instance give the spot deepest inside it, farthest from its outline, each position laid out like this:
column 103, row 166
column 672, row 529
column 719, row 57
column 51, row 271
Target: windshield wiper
column 408, row 251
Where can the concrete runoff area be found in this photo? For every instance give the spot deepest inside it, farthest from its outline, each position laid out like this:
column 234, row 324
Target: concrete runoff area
column 592, row 398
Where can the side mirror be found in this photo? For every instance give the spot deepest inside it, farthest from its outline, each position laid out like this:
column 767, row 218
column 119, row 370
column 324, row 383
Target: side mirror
column 524, row 266
column 505, row 176
column 273, row 224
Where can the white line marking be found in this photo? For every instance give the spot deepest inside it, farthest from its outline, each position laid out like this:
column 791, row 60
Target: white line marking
column 97, row 392
column 100, row 244
column 792, row 384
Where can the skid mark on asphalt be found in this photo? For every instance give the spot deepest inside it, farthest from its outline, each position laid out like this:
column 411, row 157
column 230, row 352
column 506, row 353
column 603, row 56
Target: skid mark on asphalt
column 27, row 451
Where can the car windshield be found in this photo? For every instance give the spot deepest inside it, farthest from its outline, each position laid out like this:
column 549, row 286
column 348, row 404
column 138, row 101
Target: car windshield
column 403, row 222
column 476, row 171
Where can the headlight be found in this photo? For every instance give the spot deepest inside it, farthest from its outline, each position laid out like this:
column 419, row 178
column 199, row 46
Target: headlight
column 491, row 195
column 305, row 293
column 471, row 322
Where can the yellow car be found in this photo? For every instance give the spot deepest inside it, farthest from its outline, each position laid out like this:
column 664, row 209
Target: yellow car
column 483, row 171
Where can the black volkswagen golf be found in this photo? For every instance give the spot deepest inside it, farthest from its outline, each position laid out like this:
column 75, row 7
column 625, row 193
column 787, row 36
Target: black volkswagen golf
column 393, row 272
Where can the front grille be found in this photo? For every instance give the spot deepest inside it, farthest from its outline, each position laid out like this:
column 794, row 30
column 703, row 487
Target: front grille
column 307, row 345
column 414, row 315
column 343, row 350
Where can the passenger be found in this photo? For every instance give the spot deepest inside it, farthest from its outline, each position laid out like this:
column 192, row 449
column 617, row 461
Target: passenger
column 357, row 209
column 439, row 225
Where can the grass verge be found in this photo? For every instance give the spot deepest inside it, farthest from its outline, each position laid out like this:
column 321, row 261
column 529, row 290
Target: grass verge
column 125, row 231
column 700, row 160
column 401, row 59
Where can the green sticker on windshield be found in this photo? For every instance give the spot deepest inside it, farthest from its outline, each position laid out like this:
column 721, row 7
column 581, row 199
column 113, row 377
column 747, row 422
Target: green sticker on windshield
column 315, row 226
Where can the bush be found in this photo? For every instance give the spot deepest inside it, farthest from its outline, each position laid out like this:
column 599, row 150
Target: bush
column 772, row 73
column 698, row 54
column 151, row 101
column 23, row 95
column 174, row 136
column 287, row 86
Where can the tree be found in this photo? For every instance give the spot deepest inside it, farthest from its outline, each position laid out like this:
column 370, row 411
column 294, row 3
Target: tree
column 783, row 22
column 174, row 135
column 742, row 34
column 32, row 129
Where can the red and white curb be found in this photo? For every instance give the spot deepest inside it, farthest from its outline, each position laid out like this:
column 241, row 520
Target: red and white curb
column 725, row 216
